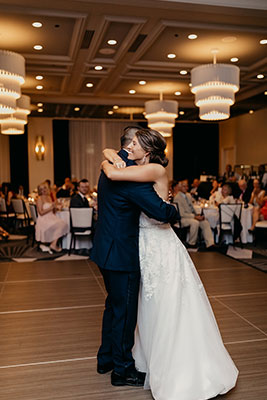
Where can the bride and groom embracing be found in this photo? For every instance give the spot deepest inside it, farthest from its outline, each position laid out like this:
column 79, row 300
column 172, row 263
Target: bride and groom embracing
column 176, row 350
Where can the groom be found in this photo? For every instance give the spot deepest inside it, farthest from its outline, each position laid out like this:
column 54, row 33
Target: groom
column 115, row 251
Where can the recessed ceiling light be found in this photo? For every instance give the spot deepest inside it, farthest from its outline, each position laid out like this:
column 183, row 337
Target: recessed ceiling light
column 251, row 111
column 110, row 112
column 142, row 82
column 89, row 84
column 98, row 67
column 260, row 76
column 40, row 110
column 115, row 107
column 76, row 108
column 265, row 92
column 112, row 42
column 39, row 77
column 183, row 72
column 234, row 59
column 40, row 104
column 178, row 93
column 38, row 47
column 192, row 36
column 37, row 24
column 39, row 87
column 171, row 55
column 263, row 41
column 132, row 91
column 181, row 112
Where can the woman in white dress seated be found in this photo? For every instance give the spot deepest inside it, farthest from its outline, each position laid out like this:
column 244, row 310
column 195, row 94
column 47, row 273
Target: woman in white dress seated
column 225, row 197
column 49, row 228
column 178, row 343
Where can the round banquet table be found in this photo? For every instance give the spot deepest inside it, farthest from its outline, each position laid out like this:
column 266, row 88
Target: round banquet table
column 212, row 216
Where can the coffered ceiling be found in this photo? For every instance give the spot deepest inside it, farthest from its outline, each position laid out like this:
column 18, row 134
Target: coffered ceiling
column 74, row 38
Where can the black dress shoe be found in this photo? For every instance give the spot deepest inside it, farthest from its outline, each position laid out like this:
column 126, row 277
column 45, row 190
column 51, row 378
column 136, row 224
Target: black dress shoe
column 132, row 378
column 135, row 378
column 103, row 369
column 117, row 380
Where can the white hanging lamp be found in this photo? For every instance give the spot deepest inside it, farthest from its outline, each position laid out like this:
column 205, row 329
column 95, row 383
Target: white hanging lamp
column 214, row 86
column 12, row 76
column 14, row 124
column 161, row 114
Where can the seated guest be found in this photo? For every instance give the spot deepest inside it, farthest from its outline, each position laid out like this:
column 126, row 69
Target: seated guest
column 245, row 191
column 257, row 194
column 257, row 199
column 226, row 195
column 49, row 228
column 189, row 218
column 216, row 191
column 20, row 192
column 173, row 189
column 194, row 188
column 80, row 199
column 8, row 194
column 66, row 190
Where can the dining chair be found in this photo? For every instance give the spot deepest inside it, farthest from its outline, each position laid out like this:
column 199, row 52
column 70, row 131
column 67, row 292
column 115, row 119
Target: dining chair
column 229, row 221
column 34, row 216
column 80, row 224
column 4, row 214
column 180, row 231
column 22, row 217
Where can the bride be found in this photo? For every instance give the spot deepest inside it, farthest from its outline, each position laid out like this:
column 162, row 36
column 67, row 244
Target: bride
column 178, row 344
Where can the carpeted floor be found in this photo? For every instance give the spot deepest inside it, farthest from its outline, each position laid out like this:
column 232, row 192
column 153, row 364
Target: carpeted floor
column 17, row 249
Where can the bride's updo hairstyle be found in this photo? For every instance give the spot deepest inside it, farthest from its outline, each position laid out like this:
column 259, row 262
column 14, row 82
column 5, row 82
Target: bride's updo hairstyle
column 153, row 142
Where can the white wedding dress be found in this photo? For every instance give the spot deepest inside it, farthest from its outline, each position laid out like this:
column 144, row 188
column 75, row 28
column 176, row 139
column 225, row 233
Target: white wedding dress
column 178, row 343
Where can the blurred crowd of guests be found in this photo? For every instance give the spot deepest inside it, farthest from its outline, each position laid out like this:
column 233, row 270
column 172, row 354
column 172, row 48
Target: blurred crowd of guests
column 49, row 199
column 231, row 188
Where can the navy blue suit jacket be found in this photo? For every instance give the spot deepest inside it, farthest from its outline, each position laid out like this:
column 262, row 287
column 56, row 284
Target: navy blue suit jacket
column 115, row 244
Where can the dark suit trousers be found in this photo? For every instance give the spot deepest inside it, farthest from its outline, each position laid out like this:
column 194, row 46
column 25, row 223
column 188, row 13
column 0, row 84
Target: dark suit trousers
column 119, row 319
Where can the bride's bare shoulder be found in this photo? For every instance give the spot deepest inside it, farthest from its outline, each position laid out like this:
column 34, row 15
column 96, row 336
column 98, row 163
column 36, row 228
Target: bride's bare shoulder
column 158, row 168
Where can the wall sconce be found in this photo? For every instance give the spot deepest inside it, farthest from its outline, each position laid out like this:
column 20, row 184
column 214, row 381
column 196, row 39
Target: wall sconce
column 39, row 147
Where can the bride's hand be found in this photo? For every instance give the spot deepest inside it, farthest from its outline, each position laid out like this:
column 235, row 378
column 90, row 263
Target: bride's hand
column 119, row 163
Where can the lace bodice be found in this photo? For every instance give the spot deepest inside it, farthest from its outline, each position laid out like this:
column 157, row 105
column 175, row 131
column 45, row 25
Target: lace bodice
column 162, row 256
column 146, row 222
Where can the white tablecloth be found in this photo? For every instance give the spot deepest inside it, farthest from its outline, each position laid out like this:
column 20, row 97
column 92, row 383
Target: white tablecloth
column 212, row 215
column 82, row 242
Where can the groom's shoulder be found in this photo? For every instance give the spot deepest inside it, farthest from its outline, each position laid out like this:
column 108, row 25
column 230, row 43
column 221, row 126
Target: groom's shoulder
column 124, row 155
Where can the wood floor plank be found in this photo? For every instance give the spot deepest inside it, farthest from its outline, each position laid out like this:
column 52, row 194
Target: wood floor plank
column 214, row 260
column 51, row 294
column 53, row 335
column 3, row 271
column 66, row 381
column 49, row 270
column 238, row 280
column 250, row 358
column 50, row 335
column 232, row 327
column 94, row 268
column 251, row 307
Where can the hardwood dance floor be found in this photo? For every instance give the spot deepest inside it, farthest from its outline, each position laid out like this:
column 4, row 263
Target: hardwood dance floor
column 50, row 321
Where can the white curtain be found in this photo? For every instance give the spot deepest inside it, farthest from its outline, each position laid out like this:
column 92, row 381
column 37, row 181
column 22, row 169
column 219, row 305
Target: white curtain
column 87, row 140
column 4, row 159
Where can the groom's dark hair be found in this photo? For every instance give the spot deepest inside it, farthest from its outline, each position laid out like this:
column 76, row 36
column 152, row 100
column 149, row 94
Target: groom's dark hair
column 128, row 134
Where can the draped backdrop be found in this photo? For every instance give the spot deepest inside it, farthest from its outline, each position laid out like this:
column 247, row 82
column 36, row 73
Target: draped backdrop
column 4, row 159
column 87, row 139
